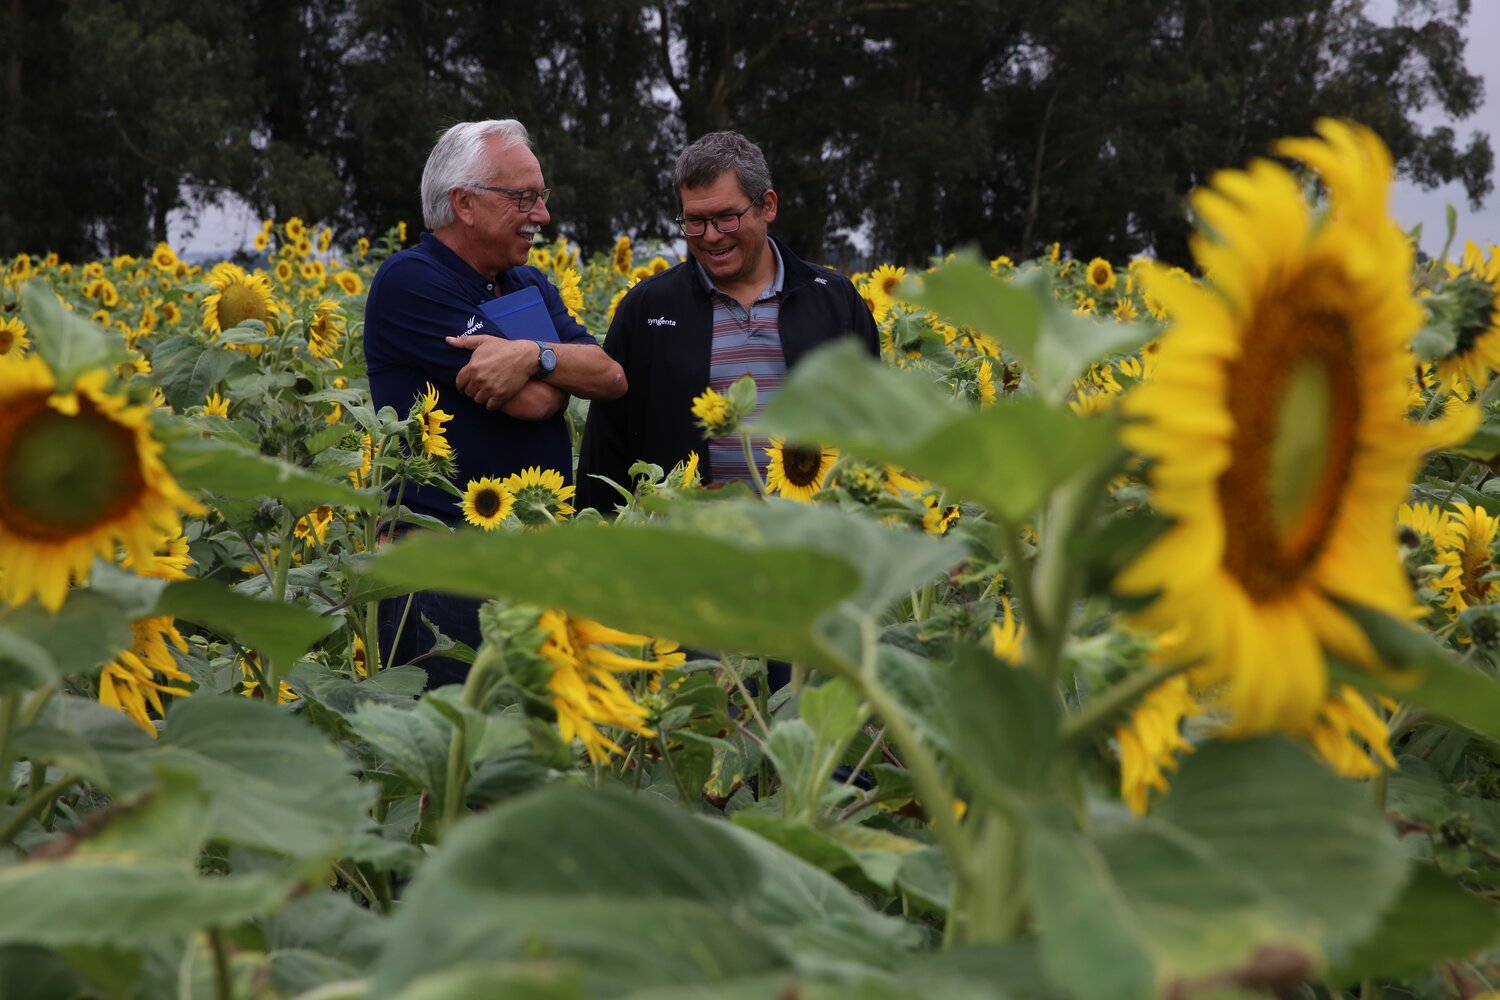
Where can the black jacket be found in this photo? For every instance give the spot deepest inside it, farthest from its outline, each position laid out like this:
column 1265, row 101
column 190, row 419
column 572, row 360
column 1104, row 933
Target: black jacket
column 662, row 336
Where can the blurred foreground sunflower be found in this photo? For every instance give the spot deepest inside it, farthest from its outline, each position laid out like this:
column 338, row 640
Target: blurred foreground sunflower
column 1277, row 432
column 80, row 475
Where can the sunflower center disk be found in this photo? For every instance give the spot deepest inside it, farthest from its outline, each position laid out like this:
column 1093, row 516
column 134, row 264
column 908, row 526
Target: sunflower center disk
column 1295, row 405
column 62, row 475
column 238, row 303
column 487, row 503
column 801, row 464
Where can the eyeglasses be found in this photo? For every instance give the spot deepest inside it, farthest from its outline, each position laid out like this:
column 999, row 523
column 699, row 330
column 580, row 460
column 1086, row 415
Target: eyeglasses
column 525, row 199
column 726, row 223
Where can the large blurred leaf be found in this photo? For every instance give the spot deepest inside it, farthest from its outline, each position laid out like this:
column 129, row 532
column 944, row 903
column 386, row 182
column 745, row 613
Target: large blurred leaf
column 637, row 893
column 890, row 561
column 104, row 900
column 276, row 782
column 70, row 344
column 94, row 741
column 280, row 632
column 1007, row 456
column 231, row 471
column 1431, row 920
column 102, row 884
column 1258, row 858
column 656, row 579
column 89, row 629
column 1001, row 722
column 320, row 938
column 187, row 369
column 1423, row 674
column 1053, row 344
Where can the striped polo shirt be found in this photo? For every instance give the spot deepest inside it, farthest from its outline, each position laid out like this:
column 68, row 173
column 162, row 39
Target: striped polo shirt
column 745, row 342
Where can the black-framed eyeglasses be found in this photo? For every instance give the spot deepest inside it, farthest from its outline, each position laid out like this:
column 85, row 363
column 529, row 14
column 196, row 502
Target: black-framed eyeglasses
column 726, row 223
column 525, row 198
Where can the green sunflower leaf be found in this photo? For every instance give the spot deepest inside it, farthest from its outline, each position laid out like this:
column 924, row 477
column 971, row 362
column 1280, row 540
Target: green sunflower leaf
column 1054, row 345
column 662, row 580
column 280, row 632
column 217, row 466
column 187, row 369
column 1422, row 673
column 1434, row 918
column 1008, row 456
column 69, row 343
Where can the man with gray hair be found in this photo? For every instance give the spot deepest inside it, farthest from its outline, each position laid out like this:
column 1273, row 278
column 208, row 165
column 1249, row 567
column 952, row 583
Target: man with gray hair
column 484, row 200
column 742, row 303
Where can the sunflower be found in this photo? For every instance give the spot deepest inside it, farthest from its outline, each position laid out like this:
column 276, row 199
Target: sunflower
column 1426, row 521
column 325, row 239
column 359, row 657
column 620, row 257
column 1473, row 294
column 215, row 405
column 886, row 279
column 568, row 282
column 361, row 477
column 984, row 383
column 1350, row 736
column 13, row 339
column 261, row 241
column 614, row 304
column 434, row 440
column 937, row 520
column 658, row 264
column 1125, row 311
column 401, row 232
column 797, row 472
column 251, row 686
column 1150, row 741
column 295, row 229
column 236, row 297
column 1101, row 276
column 79, row 475
column 584, row 690
column 136, row 678
column 714, row 413
column 540, row 496
column 285, row 272
column 486, row 503
column 1277, row 431
column 1467, row 553
column 1007, row 636
column 170, row 314
column 875, row 300
column 362, row 246
column 325, row 329
column 689, row 472
column 349, row 282
column 312, row 527
column 164, row 257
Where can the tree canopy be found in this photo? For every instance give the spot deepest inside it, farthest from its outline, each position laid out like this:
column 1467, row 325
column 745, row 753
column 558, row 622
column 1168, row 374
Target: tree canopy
column 996, row 123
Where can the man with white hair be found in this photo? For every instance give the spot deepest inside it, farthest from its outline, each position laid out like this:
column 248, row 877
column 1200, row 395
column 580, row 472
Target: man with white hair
column 484, row 200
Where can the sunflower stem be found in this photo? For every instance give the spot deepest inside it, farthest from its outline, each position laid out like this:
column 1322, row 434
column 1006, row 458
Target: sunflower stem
column 760, row 485
column 10, row 713
column 223, row 982
column 475, row 686
column 1101, row 711
column 925, row 772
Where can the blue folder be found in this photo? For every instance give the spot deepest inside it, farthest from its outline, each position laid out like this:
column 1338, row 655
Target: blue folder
column 521, row 315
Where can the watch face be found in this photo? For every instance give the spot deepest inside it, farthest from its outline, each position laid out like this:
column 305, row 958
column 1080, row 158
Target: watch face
column 547, row 359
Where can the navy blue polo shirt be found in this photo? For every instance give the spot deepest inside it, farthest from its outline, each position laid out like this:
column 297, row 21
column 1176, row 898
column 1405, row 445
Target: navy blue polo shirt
column 422, row 295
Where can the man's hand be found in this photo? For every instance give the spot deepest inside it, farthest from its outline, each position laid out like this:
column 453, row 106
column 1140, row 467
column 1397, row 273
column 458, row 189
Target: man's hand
column 497, row 369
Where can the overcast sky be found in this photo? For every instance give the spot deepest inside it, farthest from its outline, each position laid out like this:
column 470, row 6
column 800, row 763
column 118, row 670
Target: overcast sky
column 222, row 231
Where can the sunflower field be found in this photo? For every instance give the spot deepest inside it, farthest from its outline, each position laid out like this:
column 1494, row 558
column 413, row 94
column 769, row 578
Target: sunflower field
column 1142, row 629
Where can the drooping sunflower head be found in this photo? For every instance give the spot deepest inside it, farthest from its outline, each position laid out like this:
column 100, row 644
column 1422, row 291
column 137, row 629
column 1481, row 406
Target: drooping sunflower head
column 236, row 297
column 1276, row 427
column 487, row 503
column 620, row 257
column 325, row 329
column 1469, row 302
column 312, row 527
column 430, row 422
column 80, row 475
column 540, row 496
column 797, row 471
column 216, row 405
column 1466, row 551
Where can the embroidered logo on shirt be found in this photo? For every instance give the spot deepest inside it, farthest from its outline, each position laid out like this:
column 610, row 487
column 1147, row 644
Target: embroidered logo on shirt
column 821, row 281
column 474, row 326
column 661, row 321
